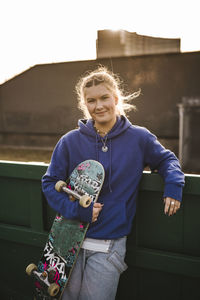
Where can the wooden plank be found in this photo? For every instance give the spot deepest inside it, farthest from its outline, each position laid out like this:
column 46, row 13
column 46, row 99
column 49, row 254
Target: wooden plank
column 22, row 235
column 164, row 261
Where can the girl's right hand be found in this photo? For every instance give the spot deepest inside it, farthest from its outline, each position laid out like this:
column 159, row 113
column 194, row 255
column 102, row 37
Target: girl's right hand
column 97, row 207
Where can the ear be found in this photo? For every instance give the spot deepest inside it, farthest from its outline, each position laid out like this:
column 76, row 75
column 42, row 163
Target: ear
column 116, row 100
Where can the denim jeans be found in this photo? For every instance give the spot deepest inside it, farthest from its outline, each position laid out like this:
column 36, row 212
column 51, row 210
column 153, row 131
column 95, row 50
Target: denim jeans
column 96, row 274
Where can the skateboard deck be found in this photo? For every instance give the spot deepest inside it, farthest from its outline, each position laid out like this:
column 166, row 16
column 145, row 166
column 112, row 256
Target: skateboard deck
column 59, row 256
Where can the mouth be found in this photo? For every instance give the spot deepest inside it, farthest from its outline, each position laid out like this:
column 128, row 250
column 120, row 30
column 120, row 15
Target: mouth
column 100, row 113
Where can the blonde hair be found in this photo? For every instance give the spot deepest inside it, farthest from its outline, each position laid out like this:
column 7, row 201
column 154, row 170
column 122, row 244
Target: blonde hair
column 103, row 76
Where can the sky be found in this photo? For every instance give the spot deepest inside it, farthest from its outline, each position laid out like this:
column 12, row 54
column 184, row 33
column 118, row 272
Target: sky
column 48, row 31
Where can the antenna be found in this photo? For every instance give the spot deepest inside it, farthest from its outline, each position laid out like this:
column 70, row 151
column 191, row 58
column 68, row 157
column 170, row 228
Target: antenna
column 111, row 64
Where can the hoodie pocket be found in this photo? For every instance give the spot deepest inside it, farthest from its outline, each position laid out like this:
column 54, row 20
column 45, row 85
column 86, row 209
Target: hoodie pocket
column 117, row 261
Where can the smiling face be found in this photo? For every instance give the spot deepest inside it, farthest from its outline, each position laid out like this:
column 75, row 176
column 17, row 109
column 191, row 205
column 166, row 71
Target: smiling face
column 101, row 105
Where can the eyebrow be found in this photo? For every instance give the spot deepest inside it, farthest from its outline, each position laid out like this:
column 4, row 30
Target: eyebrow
column 104, row 95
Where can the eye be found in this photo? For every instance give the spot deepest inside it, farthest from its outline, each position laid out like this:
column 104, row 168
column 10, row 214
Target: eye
column 104, row 97
column 90, row 100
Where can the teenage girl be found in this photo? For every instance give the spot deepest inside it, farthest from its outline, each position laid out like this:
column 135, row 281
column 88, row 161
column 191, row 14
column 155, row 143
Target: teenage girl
column 106, row 135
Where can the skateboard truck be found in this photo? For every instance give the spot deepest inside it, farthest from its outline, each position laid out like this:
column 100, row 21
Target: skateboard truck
column 84, row 200
column 43, row 279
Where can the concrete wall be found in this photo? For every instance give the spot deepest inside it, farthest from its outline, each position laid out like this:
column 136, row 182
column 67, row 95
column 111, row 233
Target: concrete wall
column 39, row 105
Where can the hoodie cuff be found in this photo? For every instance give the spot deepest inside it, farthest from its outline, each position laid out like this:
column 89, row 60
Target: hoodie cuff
column 85, row 213
column 173, row 191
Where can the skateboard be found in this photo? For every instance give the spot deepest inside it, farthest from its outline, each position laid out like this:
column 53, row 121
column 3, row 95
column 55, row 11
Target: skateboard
column 66, row 236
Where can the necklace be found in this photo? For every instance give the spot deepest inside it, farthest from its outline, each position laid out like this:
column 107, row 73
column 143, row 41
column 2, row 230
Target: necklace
column 104, row 148
column 101, row 133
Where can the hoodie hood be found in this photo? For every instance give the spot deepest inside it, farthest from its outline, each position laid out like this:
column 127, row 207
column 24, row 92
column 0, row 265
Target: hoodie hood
column 87, row 127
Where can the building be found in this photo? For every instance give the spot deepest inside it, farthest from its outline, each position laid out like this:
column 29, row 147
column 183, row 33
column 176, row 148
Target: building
column 124, row 43
column 39, row 105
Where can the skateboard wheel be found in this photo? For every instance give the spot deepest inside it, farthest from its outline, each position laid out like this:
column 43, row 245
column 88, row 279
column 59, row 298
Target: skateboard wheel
column 85, row 201
column 59, row 185
column 53, row 289
column 30, row 268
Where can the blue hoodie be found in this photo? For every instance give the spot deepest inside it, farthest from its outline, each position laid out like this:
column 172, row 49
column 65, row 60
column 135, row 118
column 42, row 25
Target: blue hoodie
column 130, row 149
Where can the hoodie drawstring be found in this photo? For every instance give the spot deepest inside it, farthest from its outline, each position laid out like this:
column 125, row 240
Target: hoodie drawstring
column 110, row 166
column 110, row 160
column 97, row 151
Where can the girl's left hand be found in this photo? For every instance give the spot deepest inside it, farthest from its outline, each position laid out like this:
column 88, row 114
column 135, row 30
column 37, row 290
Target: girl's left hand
column 171, row 206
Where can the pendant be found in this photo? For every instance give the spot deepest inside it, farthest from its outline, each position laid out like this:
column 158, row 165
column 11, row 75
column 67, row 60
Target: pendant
column 104, row 148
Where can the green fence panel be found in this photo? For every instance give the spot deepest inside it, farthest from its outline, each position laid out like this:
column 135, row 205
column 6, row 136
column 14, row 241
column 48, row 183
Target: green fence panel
column 22, row 233
column 163, row 253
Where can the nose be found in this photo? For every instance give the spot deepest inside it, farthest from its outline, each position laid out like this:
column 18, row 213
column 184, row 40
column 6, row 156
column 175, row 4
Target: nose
column 99, row 105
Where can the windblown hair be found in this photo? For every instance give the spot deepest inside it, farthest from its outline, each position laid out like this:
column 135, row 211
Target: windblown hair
column 103, row 76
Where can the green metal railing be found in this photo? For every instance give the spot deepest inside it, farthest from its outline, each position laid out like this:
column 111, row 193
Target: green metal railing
column 163, row 253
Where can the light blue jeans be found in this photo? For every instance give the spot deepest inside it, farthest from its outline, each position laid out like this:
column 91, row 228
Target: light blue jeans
column 96, row 275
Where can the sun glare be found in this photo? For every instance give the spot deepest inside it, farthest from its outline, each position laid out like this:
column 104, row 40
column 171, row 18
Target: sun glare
column 67, row 31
